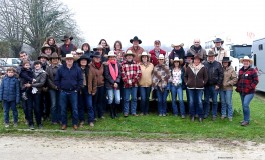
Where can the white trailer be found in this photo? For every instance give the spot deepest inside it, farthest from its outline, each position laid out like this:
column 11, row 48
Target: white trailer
column 258, row 52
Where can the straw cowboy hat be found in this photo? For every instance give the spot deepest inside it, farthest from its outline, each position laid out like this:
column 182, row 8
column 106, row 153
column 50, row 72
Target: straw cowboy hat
column 69, row 56
column 211, row 53
column 110, row 54
column 246, row 58
column 129, row 52
column 43, row 56
column 54, row 56
column 144, row 54
column 218, row 40
column 136, row 39
column 226, row 59
column 176, row 59
column 79, row 51
column 98, row 47
column 177, row 44
column 65, row 37
column 161, row 56
column 47, row 46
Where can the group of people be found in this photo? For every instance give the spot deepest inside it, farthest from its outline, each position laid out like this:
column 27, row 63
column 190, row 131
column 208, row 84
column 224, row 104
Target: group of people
column 91, row 82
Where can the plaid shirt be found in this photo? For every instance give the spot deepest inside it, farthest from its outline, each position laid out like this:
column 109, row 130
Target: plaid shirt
column 131, row 74
column 247, row 80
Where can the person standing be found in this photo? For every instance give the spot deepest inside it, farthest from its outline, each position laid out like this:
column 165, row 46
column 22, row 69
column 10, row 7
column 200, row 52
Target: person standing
column 69, row 81
column 246, row 85
column 219, row 50
column 177, row 51
column 226, row 90
column 105, row 45
column 86, row 48
column 52, row 43
column 131, row 74
column 196, row 49
column 118, row 51
column 10, row 96
column 101, row 52
column 195, row 78
column 67, row 47
column 160, row 81
column 112, row 74
column 136, row 49
column 47, row 50
column 145, row 82
column 156, row 52
column 215, row 81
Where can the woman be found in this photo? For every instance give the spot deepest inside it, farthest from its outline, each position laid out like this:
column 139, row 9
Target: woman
column 177, row 51
column 177, row 81
column 84, row 98
column 112, row 74
column 160, row 79
column 96, row 70
column 105, row 46
column 246, row 84
column 195, row 78
column 118, row 51
column 51, row 71
column 145, row 82
column 230, row 79
column 52, row 43
column 86, row 48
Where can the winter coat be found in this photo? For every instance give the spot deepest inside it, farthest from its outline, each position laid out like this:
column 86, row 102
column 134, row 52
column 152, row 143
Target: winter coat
column 221, row 53
column 26, row 76
column 195, row 80
column 247, row 81
column 147, row 71
column 137, row 52
column 9, row 90
column 230, row 78
column 97, row 73
column 215, row 73
column 63, row 49
column 154, row 57
column 198, row 51
column 40, row 80
column 51, row 71
column 176, row 53
column 109, row 82
column 131, row 74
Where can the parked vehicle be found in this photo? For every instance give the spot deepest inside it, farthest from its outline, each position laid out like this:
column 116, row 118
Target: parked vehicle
column 11, row 61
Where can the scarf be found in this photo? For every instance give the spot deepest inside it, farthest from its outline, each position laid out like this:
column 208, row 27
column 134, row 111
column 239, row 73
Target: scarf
column 195, row 68
column 97, row 65
column 37, row 72
column 113, row 73
column 197, row 49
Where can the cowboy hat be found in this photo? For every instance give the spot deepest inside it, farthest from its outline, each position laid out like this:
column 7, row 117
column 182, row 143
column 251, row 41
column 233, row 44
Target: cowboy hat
column 129, row 52
column 226, row 59
column 197, row 56
column 144, row 54
column 136, row 39
column 247, row 59
column 98, row 47
column 43, row 55
column 96, row 54
column 83, row 57
column 176, row 59
column 54, row 56
column 177, row 44
column 69, row 56
column 43, row 48
column 218, row 40
column 211, row 53
column 161, row 56
column 79, row 51
column 110, row 54
column 189, row 54
column 65, row 37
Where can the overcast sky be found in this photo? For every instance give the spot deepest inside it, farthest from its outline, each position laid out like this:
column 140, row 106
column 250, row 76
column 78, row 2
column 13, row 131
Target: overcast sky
column 171, row 21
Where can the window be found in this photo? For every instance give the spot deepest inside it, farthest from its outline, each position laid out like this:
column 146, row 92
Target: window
column 261, row 47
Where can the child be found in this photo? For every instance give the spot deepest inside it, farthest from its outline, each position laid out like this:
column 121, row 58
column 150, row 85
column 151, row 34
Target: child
column 9, row 94
column 26, row 76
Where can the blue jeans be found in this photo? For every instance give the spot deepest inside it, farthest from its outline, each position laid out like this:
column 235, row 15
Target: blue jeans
column 98, row 102
column 35, row 106
column 145, row 95
column 7, row 105
column 55, row 108
column 210, row 91
column 85, row 103
column 162, row 100
column 195, row 101
column 113, row 94
column 226, row 102
column 177, row 91
column 66, row 97
column 246, row 99
column 127, row 93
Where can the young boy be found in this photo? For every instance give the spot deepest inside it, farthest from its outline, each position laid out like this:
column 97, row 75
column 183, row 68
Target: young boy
column 9, row 94
column 26, row 76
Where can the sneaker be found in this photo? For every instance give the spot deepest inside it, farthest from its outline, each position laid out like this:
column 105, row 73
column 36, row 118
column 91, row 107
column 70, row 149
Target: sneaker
column 141, row 114
column 230, row 119
column 31, row 127
column 214, row 118
column 91, row 124
column 136, row 115
column 244, row 124
column 125, row 114
column 223, row 117
column 81, row 124
column 6, row 125
column 102, row 117
column 200, row 120
column 192, row 119
column 164, row 115
column 15, row 125
column 160, row 115
column 183, row 117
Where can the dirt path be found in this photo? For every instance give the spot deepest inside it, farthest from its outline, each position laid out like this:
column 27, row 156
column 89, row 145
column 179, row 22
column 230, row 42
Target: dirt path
column 32, row 148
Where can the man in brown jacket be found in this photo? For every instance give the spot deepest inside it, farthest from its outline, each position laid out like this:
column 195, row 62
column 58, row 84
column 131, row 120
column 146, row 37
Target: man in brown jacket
column 136, row 49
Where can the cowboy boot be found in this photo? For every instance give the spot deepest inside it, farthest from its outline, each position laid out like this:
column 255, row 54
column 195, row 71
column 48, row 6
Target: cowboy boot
column 115, row 110
column 111, row 111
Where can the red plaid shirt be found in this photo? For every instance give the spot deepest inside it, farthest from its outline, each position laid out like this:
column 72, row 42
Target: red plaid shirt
column 247, row 80
column 131, row 74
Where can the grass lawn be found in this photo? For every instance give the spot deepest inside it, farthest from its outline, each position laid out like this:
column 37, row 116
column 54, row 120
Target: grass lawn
column 154, row 127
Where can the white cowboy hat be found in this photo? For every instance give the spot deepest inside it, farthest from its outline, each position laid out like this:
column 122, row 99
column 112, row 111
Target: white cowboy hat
column 110, row 54
column 246, row 58
column 176, row 59
column 144, row 54
column 129, row 52
column 79, row 51
column 177, row 44
column 69, row 56
column 161, row 56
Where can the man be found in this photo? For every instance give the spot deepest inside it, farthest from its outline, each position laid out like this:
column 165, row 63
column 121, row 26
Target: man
column 69, row 80
column 196, row 49
column 48, row 50
column 43, row 58
column 156, row 52
column 219, row 50
column 23, row 56
column 215, row 80
column 131, row 74
column 67, row 47
column 136, row 49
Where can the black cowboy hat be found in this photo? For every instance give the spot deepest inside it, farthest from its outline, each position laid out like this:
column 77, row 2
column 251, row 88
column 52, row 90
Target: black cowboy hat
column 189, row 54
column 226, row 59
column 83, row 57
column 65, row 37
column 218, row 40
column 96, row 54
column 136, row 39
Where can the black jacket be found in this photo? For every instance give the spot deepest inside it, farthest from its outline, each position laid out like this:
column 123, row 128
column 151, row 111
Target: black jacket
column 108, row 79
column 215, row 73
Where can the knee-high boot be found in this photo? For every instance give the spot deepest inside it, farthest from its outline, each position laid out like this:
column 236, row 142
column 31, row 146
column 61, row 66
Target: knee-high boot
column 111, row 111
